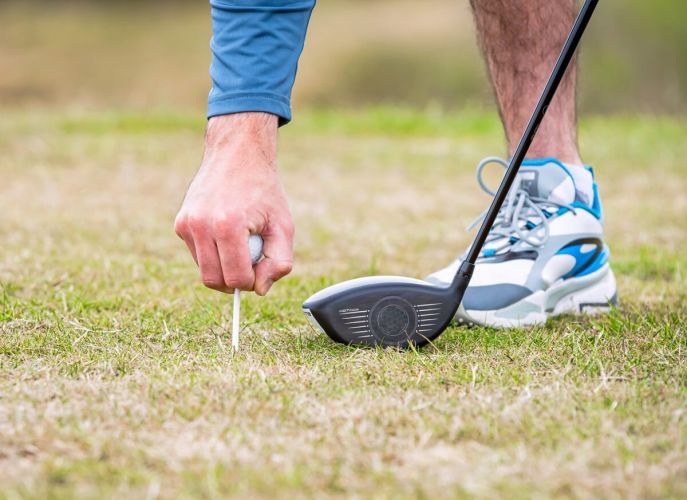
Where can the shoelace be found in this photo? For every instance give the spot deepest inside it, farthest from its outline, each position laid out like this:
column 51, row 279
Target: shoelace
column 516, row 219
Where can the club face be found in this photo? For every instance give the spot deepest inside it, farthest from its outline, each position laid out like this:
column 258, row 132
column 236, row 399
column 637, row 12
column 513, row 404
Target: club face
column 383, row 310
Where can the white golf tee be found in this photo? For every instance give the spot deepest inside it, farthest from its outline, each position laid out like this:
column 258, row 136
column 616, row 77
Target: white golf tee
column 255, row 249
column 235, row 320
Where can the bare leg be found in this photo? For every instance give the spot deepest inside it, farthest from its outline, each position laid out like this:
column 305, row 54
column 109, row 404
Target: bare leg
column 521, row 40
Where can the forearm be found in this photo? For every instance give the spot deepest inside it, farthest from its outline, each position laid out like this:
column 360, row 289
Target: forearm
column 255, row 49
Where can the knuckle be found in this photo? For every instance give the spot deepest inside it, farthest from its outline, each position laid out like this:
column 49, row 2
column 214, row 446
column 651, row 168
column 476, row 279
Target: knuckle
column 285, row 224
column 233, row 285
column 181, row 226
column 195, row 222
column 212, row 282
column 237, row 277
column 227, row 222
column 289, row 229
column 241, row 284
column 282, row 267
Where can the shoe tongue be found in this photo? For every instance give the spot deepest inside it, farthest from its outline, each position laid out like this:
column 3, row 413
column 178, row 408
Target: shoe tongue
column 549, row 181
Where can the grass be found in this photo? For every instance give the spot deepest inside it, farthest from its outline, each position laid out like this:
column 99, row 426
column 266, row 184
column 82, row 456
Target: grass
column 115, row 374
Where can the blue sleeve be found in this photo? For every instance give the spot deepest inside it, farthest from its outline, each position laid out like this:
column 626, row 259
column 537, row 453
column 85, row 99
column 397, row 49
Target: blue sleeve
column 255, row 50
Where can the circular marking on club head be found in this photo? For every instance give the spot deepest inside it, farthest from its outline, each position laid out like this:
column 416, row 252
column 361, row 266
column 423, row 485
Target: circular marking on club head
column 393, row 320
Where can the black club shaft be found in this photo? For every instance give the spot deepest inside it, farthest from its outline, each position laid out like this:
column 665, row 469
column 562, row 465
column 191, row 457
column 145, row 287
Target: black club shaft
column 557, row 74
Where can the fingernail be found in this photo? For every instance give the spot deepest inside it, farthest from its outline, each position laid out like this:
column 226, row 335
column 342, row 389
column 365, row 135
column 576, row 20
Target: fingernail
column 268, row 285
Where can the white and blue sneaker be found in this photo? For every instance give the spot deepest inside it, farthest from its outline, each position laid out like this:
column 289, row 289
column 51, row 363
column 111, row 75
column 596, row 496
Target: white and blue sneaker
column 545, row 253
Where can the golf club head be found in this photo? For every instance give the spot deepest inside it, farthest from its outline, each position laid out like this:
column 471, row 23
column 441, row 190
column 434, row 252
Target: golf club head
column 386, row 310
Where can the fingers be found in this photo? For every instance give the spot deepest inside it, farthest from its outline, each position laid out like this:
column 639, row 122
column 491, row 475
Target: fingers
column 231, row 235
column 207, row 257
column 278, row 257
column 180, row 227
column 184, row 232
column 220, row 249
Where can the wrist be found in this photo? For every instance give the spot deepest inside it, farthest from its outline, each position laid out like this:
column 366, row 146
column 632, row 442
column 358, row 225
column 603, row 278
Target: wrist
column 241, row 140
column 227, row 129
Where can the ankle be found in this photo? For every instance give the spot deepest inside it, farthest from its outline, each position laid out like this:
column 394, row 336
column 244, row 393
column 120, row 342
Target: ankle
column 563, row 147
column 568, row 157
column 584, row 181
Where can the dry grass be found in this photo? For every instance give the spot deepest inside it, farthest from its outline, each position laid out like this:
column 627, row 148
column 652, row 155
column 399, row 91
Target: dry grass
column 115, row 378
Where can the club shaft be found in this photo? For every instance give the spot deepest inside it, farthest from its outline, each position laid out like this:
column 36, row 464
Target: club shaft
column 557, row 74
column 235, row 320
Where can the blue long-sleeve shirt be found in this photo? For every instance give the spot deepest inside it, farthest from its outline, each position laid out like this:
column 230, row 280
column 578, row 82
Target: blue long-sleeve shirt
column 255, row 49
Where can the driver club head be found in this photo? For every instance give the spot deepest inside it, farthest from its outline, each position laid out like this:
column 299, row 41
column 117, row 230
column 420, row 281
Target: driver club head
column 389, row 311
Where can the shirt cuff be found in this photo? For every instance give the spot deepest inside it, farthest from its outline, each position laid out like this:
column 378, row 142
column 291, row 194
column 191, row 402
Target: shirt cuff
column 224, row 104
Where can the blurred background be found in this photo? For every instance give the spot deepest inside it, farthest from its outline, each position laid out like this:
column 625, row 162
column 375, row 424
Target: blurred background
column 154, row 55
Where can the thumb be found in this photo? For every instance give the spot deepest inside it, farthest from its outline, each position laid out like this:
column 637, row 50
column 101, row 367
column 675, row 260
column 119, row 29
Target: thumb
column 278, row 258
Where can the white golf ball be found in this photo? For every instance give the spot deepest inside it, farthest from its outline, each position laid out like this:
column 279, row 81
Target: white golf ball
column 255, row 247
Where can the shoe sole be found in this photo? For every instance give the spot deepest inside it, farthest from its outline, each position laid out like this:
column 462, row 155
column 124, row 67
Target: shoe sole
column 593, row 294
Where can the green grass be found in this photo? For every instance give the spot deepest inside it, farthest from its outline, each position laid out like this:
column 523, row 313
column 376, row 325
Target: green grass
column 116, row 378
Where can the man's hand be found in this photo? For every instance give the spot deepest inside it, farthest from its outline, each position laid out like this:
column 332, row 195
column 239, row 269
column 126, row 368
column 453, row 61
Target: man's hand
column 235, row 193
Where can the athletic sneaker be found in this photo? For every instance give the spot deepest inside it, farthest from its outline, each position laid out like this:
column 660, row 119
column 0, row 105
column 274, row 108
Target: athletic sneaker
column 544, row 256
